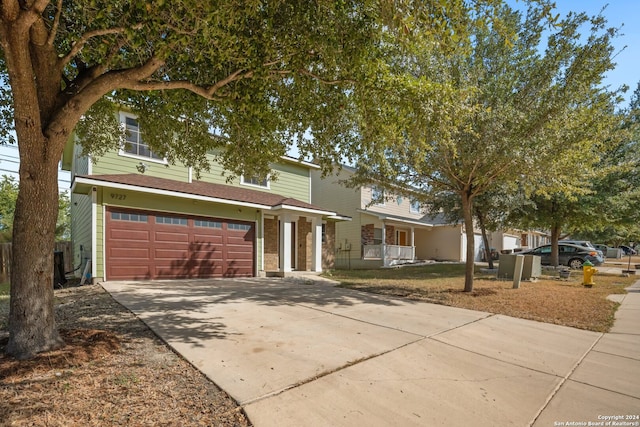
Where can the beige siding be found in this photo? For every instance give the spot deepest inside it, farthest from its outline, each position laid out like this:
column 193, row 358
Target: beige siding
column 393, row 205
column 329, row 194
column 441, row 243
column 80, row 230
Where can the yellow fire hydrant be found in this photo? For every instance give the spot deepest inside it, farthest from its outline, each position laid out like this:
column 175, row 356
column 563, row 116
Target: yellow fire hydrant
column 588, row 271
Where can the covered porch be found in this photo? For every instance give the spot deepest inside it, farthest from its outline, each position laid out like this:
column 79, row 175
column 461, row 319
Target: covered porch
column 297, row 240
column 390, row 240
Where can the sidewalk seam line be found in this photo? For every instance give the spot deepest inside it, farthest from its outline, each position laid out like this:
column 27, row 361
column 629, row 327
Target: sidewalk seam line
column 564, row 380
column 329, row 372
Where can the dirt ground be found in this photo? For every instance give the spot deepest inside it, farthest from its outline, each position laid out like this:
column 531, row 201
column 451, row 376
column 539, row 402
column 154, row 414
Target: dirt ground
column 113, row 371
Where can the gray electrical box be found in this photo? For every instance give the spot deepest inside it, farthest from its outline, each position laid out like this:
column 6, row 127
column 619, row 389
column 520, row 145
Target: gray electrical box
column 531, row 268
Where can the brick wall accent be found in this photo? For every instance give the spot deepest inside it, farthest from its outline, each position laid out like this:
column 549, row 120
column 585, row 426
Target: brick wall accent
column 329, row 245
column 390, row 235
column 367, row 234
column 304, row 244
column 271, row 259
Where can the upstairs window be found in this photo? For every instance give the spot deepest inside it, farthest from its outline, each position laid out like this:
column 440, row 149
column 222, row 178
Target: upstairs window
column 255, row 181
column 377, row 196
column 415, row 207
column 134, row 144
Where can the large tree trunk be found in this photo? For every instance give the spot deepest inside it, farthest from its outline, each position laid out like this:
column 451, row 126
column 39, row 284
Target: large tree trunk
column 467, row 213
column 32, row 327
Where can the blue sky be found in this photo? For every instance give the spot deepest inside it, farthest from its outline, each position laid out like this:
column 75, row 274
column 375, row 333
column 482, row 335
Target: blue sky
column 619, row 13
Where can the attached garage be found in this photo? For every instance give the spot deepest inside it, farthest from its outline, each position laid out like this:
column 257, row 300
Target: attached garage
column 153, row 245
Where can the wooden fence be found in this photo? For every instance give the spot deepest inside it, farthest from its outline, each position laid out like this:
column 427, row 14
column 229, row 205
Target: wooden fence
column 5, row 257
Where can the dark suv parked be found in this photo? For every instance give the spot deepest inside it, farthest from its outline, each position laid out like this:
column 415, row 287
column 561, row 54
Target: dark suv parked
column 572, row 256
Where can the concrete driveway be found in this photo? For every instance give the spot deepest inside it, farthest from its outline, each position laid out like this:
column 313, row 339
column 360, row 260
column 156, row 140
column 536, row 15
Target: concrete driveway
column 297, row 353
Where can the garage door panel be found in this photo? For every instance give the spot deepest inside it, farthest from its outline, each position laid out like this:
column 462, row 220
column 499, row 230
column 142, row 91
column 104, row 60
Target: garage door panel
column 208, row 238
column 130, row 235
column 164, row 236
column 164, row 247
column 129, row 253
column 170, row 254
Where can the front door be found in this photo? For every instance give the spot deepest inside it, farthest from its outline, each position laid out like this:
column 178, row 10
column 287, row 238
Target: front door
column 401, row 238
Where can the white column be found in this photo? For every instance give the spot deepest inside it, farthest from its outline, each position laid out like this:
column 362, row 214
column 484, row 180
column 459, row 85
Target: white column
column 316, row 245
column 385, row 261
column 413, row 243
column 94, row 237
column 285, row 243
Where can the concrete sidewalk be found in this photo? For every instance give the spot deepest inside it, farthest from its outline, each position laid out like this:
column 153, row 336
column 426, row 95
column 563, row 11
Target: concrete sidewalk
column 307, row 353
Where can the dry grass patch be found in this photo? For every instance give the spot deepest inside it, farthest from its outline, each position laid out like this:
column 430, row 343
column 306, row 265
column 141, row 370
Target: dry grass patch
column 548, row 300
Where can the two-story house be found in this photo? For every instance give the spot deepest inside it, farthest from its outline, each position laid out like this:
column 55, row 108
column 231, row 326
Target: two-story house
column 134, row 216
column 387, row 229
column 384, row 230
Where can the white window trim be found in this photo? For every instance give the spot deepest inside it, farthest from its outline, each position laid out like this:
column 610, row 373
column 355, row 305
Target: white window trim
column 413, row 209
column 382, row 202
column 123, row 153
column 250, row 184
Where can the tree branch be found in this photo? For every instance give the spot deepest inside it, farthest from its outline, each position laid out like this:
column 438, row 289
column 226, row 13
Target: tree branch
column 79, row 44
column 56, row 23
column 324, row 81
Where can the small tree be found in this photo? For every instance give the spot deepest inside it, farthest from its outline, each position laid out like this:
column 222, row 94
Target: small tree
column 511, row 111
column 8, row 196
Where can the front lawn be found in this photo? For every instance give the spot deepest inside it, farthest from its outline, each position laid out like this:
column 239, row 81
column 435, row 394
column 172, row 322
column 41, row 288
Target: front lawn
column 548, row 300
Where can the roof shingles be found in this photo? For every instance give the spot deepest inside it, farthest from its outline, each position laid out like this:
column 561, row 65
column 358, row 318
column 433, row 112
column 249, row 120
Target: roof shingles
column 205, row 189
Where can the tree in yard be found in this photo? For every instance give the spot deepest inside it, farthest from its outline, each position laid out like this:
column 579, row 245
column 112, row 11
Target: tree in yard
column 8, row 196
column 607, row 206
column 517, row 111
column 244, row 78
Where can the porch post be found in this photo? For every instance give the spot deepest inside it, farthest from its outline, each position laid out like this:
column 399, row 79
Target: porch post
column 316, row 245
column 285, row 243
column 383, row 247
column 413, row 244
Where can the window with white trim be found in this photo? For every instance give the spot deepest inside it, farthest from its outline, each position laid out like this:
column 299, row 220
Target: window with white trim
column 415, row 207
column 172, row 220
column 239, row 227
column 122, row 216
column 377, row 196
column 255, row 181
column 134, row 145
column 208, row 224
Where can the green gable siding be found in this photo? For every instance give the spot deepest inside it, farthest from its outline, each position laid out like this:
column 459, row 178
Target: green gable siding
column 293, row 181
column 114, row 163
column 80, row 230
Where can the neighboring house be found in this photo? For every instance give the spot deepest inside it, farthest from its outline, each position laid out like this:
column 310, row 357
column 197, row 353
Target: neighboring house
column 134, row 216
column 384, row 229
column 387, row 230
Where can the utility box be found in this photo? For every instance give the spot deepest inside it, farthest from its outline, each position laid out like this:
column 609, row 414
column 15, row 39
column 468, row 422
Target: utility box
column 531, row 269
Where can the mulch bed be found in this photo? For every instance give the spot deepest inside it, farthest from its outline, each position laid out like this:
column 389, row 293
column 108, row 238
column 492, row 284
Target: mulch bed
column 112, row 371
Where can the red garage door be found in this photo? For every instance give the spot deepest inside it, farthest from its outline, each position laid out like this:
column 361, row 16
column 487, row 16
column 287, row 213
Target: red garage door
column 152, row 245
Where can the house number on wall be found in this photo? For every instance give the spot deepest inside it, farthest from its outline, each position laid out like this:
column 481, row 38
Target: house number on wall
column 118, row 196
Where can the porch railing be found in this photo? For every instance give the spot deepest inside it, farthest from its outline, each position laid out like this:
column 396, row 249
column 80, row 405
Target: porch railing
column 391, row 252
